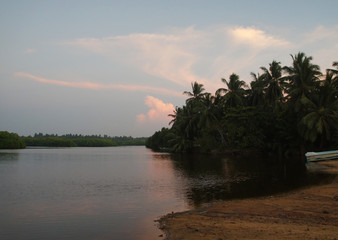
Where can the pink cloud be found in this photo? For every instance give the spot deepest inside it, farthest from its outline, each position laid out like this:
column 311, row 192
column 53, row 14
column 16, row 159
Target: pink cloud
column 158, row 111
column 185, row 55
column 169, row 56
column 98, row 86
column 141, row 118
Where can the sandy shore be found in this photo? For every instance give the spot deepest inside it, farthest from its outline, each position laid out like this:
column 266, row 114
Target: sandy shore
column 310, row 213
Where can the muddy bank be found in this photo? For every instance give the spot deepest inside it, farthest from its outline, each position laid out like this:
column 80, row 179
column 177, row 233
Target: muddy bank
column 310, row 213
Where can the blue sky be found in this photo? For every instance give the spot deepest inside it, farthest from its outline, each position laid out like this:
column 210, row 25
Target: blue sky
column 120, row 67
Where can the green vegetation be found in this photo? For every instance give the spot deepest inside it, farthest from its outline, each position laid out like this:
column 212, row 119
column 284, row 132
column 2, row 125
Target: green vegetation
column 285, row 110
column 10, row 141
column 129, row 141
column 75, row 140
column 49, row 142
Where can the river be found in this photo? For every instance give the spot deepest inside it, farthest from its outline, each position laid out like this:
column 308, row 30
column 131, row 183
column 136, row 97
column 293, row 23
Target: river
column 118, row 192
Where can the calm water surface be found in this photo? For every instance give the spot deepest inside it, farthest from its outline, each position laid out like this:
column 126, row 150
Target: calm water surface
column 118, row 192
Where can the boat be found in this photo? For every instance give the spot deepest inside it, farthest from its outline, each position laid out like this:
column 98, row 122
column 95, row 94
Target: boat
column 321, row 156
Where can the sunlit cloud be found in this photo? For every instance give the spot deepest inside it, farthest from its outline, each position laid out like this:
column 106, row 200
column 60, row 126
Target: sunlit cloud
column 141, row 118
column 256, row 38
column 167, row 56
column 30, row 50
column 158, row 111
column 100, row 86
column 185, row 55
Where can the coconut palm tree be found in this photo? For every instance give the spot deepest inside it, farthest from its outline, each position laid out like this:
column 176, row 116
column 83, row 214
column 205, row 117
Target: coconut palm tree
column 303, row 78
column 332, row 75
column 197, row 92
column 185, row 122
column 273, row 79
column 321, row 120
column 256, row 92
column 335, row 64
column 234, row 93
column 210, row 115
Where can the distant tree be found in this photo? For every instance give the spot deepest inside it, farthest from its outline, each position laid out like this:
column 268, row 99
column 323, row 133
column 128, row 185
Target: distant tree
column 10, row 141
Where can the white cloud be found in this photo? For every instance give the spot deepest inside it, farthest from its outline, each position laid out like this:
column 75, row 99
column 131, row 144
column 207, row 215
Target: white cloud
column 256, row 38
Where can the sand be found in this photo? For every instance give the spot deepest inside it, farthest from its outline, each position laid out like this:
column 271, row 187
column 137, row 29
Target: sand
column 310, row 213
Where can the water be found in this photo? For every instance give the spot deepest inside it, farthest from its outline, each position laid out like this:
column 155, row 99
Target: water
column 118, row 192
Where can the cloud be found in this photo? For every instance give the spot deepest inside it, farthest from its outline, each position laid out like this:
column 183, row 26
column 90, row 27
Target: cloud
column 168, row 56
column 30, row 50
column 185, row 55
column 256, row 38
column 321, row 44
column 141, row 118
column 100, row 86
column 321, row 33
column 158, row 112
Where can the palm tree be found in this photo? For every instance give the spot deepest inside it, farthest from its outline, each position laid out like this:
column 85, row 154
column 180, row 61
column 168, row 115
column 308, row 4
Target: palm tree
column 321, row 120
column 273, row 79
column 234, row 94
column 197, row 92
column 333, row 75
column 335, row 64
column 303, row 78
column 185, row 126
column 256, row 92
column 175, row 115
column 302, row 81
column 210, row 115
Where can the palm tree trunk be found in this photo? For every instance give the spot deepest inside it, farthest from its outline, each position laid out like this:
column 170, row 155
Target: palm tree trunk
column 221, row 134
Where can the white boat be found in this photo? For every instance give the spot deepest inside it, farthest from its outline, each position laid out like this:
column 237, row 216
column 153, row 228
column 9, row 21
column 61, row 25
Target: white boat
column 321, row 156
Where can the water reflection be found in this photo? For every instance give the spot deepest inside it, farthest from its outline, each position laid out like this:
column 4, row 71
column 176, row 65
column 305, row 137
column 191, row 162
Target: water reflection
column 116, row 193
column 8, row 156
column 208, row 178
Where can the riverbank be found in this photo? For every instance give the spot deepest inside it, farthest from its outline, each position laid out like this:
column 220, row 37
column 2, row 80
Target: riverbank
column 310, row 213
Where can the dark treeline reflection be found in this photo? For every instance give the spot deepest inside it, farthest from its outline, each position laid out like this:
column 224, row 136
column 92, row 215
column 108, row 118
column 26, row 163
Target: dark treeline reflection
column 216, row 177
column 8, row 156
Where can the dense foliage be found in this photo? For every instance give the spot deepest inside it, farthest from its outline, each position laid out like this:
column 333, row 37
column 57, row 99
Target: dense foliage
column 10, row 141
column 285, row 110
column 48, row 142
column 129, row 141
column 76, row 140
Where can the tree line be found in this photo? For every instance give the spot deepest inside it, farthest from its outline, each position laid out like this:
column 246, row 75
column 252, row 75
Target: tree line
column 79, row 140
column 285, row 110
column 10, row 141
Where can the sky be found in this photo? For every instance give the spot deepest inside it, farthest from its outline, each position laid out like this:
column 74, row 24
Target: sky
column 120, row 67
